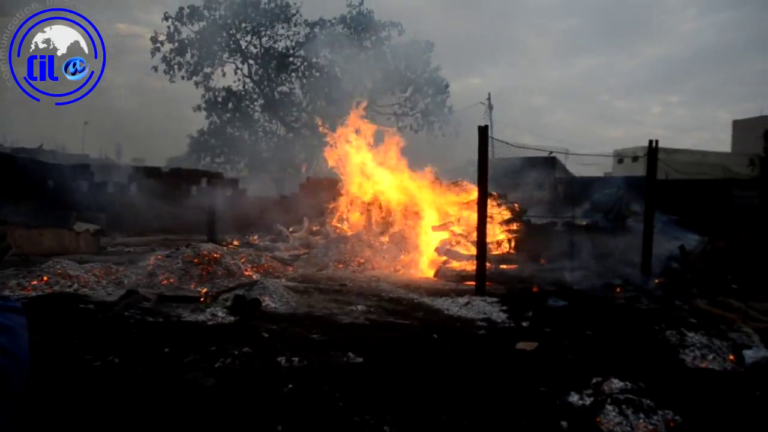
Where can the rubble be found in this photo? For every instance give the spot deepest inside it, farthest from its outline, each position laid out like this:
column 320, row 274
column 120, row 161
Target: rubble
column 104, row 281
column 527, row 346
column 194, row 274
column 617, row 409
column 208, row 315
column 701, row 351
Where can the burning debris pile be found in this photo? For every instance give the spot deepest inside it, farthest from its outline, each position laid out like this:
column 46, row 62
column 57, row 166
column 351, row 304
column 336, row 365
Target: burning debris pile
column 619, row 410
column 206, row 267
column 430, row 223
column 388, row 217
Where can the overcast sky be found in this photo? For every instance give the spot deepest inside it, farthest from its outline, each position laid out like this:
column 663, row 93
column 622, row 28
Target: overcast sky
column 587, row 75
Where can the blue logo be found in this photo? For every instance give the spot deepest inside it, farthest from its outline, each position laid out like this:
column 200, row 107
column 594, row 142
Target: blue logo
column 57, row 44
column 75, row 69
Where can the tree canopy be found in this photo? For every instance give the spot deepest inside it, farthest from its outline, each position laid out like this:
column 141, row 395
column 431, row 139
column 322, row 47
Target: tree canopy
column 268, row 74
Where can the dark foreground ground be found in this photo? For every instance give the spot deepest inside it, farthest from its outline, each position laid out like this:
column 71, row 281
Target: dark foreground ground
column 98, row 370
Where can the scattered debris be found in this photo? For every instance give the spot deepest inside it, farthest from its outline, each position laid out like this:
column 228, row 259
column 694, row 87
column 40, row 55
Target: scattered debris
column 291, row 361
column 351, row 358
column 617, row 410
column 477, row 308
column 701, row 351
column 756, row 355
column 209, row 315
column 527, row 346
column 555, row 302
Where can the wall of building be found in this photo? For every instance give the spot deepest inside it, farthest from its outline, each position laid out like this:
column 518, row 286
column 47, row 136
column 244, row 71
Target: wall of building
column 747, row 134
column 687, row 164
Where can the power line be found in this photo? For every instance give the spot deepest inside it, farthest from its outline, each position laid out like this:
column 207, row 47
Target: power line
column 469, row 106
column 549, row 139
column 566, row 152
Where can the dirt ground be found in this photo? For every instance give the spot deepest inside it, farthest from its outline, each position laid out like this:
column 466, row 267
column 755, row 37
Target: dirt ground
column 389, row 363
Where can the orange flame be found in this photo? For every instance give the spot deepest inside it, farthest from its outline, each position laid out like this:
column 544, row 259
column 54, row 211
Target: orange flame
column 381, row 195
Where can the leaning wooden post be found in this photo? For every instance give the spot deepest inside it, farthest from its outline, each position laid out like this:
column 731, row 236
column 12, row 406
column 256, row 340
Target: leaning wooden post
column 651, row 173
column 482, row 209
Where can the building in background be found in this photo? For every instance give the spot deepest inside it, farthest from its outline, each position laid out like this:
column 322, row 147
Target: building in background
column 747, row 134
column 531, row 181
column 56, row 156
column 675, row 163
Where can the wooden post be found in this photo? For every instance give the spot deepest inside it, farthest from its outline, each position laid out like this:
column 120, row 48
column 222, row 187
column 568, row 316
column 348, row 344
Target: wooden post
column 482, row 209
column 763, row 190
column 651, row 172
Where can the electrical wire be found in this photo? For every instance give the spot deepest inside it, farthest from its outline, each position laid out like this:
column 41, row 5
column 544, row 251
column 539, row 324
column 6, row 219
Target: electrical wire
column 469, row 106
column 567, row 153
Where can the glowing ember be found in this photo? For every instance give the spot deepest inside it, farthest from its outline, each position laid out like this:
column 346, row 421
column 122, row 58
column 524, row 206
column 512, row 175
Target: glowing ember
column 384, row 199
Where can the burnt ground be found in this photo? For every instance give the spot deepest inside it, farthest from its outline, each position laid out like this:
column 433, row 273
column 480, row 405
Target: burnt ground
column 94, row 368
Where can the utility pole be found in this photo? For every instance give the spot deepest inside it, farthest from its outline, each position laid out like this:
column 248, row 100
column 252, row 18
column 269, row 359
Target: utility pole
column 481, row 259
column 490, row 126
column 82, row 141
column 651, row 172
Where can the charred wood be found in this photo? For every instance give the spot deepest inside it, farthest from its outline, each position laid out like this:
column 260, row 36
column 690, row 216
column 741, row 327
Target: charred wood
column 493, row 259
column 499, row 276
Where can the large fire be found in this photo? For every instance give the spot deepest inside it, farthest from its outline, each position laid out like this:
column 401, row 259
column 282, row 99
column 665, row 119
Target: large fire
column 382, row 196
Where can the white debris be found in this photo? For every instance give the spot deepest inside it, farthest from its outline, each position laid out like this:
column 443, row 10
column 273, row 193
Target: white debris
column 755, row 355
column 209, row 315
column 580, row 399
column 477, row 308
column 628, row 413
column 613, row 386
column 351, row 358
column 701, row 351
column 291, row 361
column 619, row 411
column 527, row 346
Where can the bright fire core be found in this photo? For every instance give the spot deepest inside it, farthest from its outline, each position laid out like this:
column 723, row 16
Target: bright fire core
column 381, row 196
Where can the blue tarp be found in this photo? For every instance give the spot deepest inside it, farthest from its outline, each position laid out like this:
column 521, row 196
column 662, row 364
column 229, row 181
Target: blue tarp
column 14, row 358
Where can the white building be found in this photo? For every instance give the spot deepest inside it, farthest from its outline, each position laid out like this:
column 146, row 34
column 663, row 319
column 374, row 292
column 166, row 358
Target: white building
column 675, row 163
column 747, row 134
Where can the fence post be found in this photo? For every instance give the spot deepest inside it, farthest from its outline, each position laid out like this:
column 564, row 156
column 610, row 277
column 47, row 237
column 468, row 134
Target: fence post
column 482, row 209
column 762, row 196
column 651, row 172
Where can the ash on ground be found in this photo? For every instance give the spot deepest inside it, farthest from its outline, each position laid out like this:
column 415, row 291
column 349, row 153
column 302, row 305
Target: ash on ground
column 208, row 315
column 699, row 350
column 197, row 267
column 102, row 281
column 618, row 409
column 475, row 308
